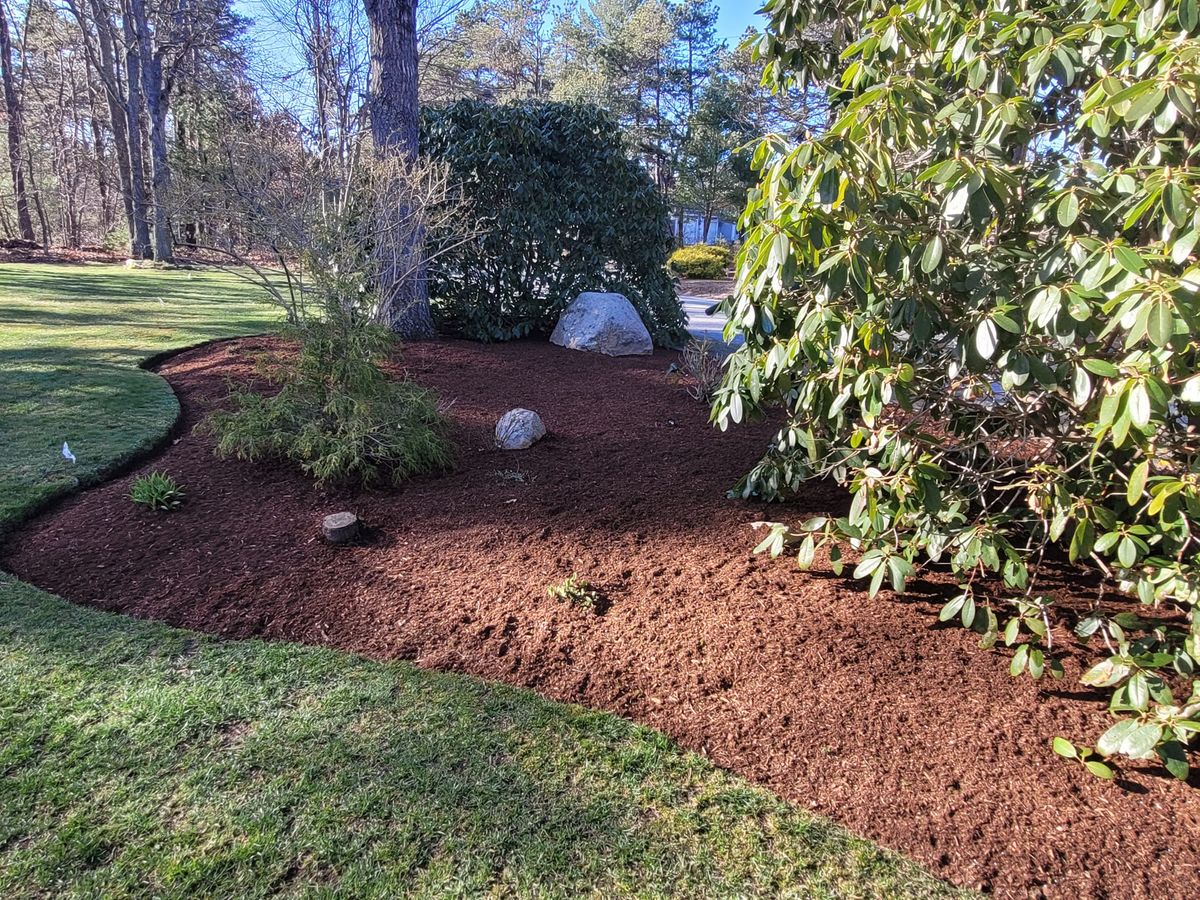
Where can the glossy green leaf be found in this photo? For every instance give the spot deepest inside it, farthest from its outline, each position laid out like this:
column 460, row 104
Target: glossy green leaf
column 1068, row 210
column 932, row 257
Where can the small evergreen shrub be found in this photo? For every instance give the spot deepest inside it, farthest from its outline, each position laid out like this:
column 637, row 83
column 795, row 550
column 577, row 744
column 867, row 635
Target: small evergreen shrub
column 701, row 261
column 337, row 414
column 117, row 239
column 157, row 491
column 562, row 209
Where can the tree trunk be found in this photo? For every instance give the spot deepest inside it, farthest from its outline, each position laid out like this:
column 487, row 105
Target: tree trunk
column 140, row 236
column 160, row 164
column 395, row 127
column 73, row 186
column 106, row 206
column 102, row 57
column 189, row 230
column 155, row 98
column 12, row 105
column 43, row 219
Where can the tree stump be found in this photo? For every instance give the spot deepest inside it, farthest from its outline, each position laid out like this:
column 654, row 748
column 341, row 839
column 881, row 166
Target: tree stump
column 341, row 527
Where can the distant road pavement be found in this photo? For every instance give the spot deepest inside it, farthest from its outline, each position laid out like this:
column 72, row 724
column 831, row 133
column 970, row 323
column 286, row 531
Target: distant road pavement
column 700, row 324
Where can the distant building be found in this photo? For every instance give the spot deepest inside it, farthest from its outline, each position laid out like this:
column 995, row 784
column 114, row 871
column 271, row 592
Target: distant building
column 719, row 228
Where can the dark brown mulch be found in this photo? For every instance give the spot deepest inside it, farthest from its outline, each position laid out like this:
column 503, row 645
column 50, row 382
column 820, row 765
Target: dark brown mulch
column 19, row 252
column 22, row 254
column 709, row 288
column 868, row 712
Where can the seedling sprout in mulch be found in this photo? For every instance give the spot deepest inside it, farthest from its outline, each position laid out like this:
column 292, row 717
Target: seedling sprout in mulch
column 576, row 591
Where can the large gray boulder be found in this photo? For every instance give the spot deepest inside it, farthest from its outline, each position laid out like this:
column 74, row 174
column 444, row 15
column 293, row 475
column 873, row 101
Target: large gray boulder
column 519, row 429
column 602, row 323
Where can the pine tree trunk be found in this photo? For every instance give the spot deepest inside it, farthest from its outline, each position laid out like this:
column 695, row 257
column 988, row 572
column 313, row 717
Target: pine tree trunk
column 12, row 105
column 395, row 127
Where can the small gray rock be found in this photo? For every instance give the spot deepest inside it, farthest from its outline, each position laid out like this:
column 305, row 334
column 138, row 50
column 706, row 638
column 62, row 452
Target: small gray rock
column 340, row 527
column 603, row 323
column 519, row 429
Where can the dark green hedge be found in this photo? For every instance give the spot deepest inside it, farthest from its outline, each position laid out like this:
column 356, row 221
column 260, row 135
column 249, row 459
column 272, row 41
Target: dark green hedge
column 563, row 210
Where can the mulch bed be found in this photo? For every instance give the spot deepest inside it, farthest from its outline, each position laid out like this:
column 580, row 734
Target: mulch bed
column 868, row 712
column 709, row 288
column 18, row 252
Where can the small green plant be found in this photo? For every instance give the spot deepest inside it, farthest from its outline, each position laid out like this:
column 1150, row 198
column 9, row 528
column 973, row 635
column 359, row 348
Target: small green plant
column 338, row 415
column 117, row 239
column 576, row 591
column 1085, row 756
column 700, row 261
column 157, row 491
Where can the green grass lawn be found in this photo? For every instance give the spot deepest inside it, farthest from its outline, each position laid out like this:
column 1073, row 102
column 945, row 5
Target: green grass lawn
column 138, row 759
column 71, row 338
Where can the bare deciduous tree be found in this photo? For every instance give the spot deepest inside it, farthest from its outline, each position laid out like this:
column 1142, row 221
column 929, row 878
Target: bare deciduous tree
column 283, row 227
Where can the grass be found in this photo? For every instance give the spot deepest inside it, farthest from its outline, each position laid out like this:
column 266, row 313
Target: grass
column 71, row 338
column 143, row 760
column 138, row 759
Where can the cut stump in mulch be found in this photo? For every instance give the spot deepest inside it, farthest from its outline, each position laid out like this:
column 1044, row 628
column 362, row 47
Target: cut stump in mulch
column 340, row 527
column 866, row 711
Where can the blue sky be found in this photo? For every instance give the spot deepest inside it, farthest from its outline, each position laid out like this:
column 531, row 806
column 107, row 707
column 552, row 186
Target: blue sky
column 736, row 16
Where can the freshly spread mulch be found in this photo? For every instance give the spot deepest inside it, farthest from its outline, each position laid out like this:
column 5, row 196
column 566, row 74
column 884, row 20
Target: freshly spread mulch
column 866, row 711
